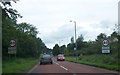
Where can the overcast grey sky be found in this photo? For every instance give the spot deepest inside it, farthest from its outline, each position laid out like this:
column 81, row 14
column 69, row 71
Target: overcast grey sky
column 52, row 17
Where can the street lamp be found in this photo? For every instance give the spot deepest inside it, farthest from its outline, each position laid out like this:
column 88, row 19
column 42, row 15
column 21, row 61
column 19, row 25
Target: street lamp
column 75, row 37
column 75, row 33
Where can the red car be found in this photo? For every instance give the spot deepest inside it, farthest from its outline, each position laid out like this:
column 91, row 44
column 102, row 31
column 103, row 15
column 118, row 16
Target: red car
column 60, row 57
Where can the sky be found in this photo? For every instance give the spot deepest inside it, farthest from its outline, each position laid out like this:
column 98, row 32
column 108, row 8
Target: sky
column 52, row 18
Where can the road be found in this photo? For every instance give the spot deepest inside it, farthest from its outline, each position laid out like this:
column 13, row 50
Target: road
column 69, row 68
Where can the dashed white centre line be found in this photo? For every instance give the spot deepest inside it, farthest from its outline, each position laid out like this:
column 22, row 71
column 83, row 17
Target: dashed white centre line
column 61, row 66
column 55, row 63
column 74, row 74
column 64, row 68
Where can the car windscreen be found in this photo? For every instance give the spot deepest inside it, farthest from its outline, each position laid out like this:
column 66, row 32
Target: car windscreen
column 46, row 56
column 60, row 55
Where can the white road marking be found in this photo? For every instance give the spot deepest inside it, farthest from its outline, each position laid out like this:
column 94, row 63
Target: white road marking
column 55, row 62
column 64, row 68
column 60, row 66
column 33, row 68
column 74, row 74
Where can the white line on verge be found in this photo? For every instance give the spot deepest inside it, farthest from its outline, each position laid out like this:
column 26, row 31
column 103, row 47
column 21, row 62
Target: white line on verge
column 33, row 68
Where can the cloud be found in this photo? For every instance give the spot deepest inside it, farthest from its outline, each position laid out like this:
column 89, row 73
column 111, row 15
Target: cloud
column 51, row 17
column 66, row 31
column 105, row 24
column 61, row 33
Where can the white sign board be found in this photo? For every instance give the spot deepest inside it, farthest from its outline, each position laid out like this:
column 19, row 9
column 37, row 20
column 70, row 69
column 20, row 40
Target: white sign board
column 11, row 50
column 105, row 51
column 105, row 46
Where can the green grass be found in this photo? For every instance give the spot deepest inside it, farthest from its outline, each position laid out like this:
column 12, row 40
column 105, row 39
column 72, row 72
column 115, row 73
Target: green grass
column 103, row 61
column 18, row 65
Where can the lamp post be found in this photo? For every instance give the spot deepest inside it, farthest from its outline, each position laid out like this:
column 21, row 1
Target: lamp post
column 75, row 33
column 75, row 36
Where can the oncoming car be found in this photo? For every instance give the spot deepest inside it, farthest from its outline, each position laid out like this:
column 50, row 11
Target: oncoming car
column 60, row 57
column 46, row 58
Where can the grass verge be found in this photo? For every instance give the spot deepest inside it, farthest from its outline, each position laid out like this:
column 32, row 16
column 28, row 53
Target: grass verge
column 97, row 61
column 18, row 65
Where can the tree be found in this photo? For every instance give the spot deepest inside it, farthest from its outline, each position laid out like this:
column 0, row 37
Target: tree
column 27, row 28
column 72, row 40
column 62, row 49
column 10, row 12
column 101, row 36
column 79, row 42
column 56, row 49
column 28, row 45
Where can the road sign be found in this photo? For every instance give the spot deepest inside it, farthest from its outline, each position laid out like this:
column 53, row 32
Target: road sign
column 11, row 50
column 105, row 42
column 12, row 43
column 12, row 47
column 75, row 48
column 105, row 51
column 105, row 46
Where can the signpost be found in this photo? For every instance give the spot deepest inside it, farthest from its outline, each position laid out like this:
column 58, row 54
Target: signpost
column 12, row 47
column 105, row 46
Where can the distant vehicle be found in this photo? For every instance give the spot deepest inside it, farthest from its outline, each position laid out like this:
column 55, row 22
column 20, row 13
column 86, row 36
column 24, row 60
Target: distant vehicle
column 60, row 57
column 46, row 58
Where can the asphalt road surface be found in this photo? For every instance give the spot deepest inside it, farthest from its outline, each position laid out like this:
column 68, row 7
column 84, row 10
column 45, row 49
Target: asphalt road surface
column 69, row 68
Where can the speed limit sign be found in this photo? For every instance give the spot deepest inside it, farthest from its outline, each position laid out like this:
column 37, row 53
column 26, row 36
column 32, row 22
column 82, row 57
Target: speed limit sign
column 12, row 49
column 105, row 43
column 12, row 43
column 105, row 46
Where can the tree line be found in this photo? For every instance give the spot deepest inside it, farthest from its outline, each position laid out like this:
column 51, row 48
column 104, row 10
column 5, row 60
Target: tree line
column 89, row 47
column 28, row 44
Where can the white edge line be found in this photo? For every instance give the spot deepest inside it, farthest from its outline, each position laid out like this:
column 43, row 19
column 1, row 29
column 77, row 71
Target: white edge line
column 33, row 68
